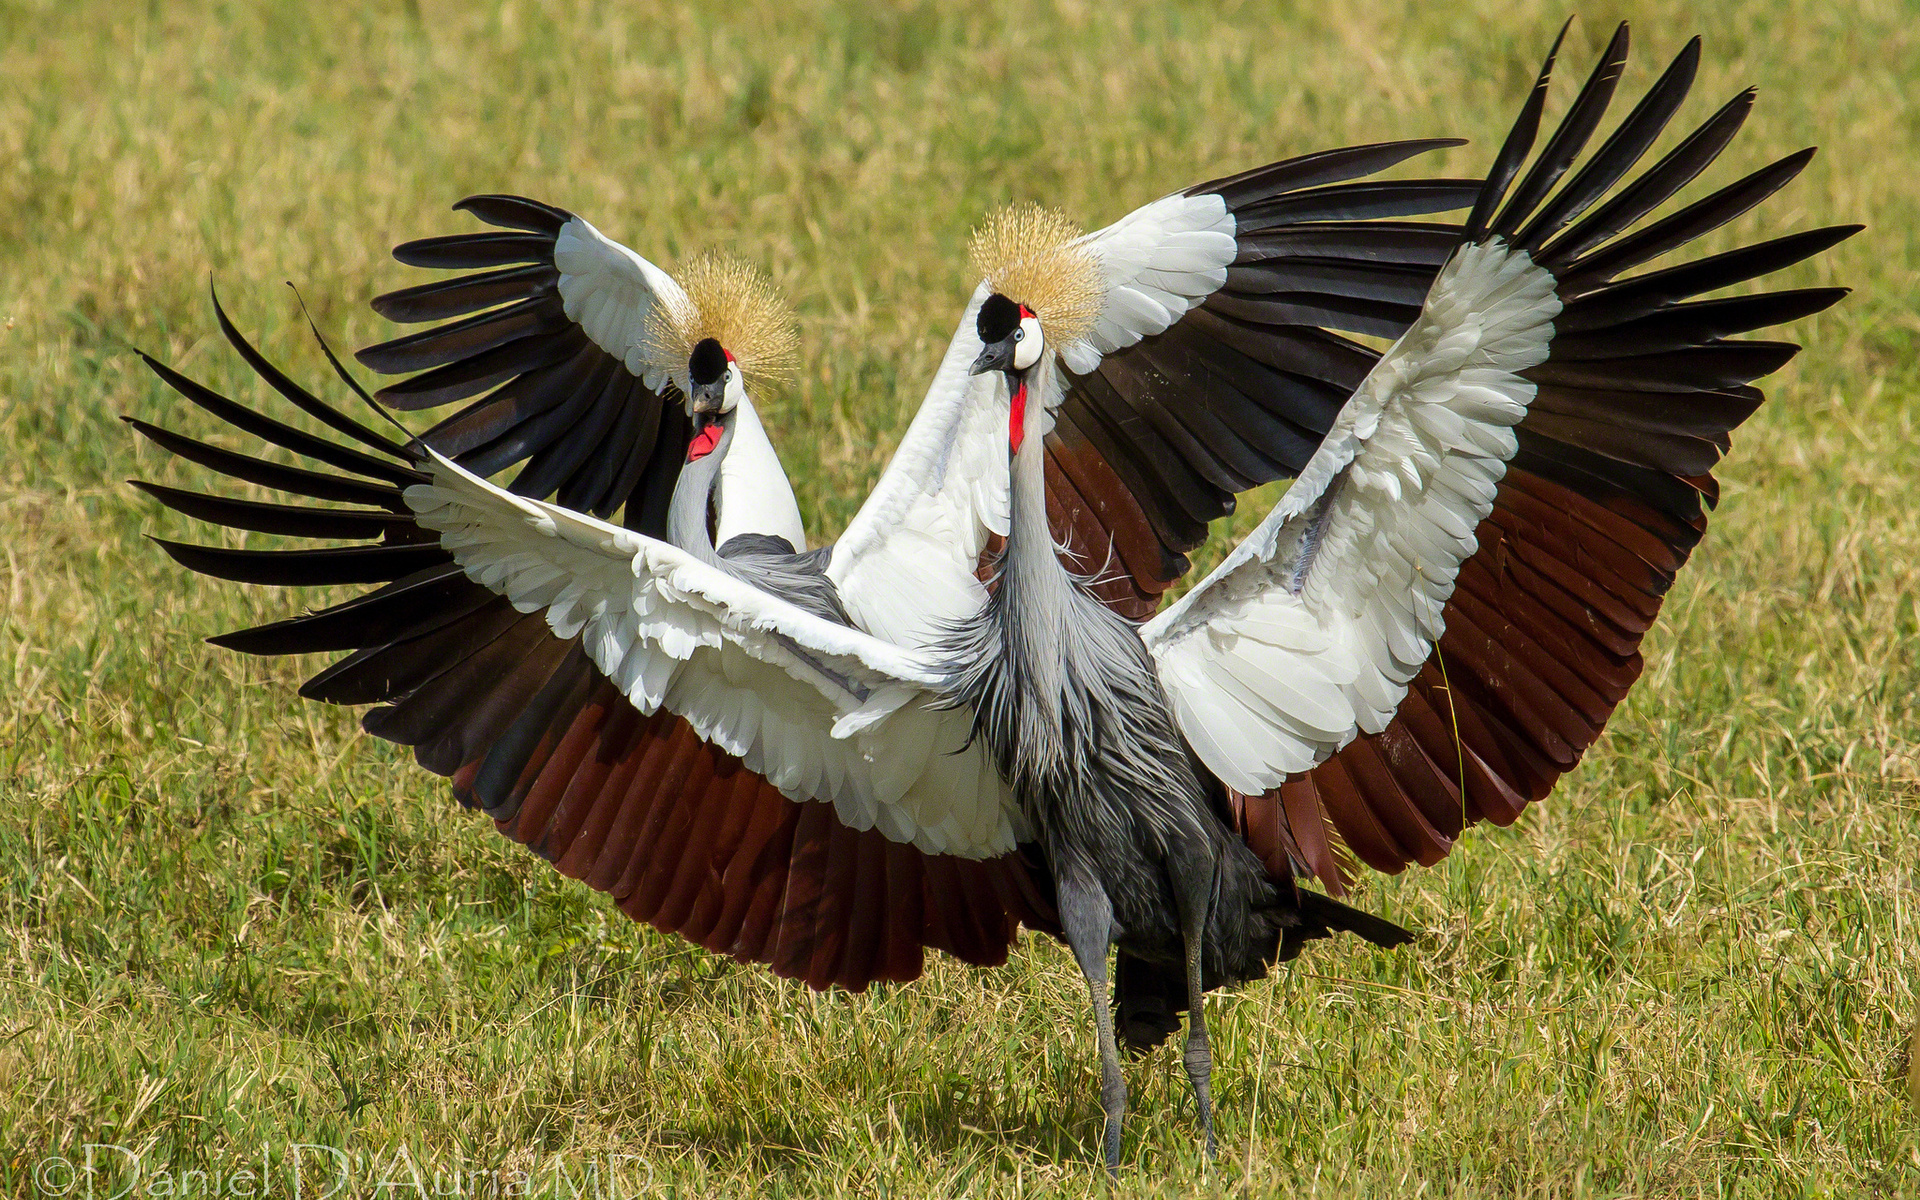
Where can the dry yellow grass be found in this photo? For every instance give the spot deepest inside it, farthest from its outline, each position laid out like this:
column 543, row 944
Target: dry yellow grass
column 229, row 921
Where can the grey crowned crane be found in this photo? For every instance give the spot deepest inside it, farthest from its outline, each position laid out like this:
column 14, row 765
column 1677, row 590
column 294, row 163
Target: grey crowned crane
column 1530, row 360
column 1509, row 489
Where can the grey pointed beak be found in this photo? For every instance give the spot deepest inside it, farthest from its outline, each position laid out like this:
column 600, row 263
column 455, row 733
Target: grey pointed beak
column 997, row 357
column 707, row 397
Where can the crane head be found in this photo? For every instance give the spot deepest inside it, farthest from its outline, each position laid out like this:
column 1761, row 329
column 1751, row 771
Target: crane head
column 1011, row 340
column 1010, row 336
column 714, row 392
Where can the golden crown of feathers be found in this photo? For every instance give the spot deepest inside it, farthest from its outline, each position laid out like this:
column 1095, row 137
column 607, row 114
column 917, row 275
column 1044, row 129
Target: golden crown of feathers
column 735, row 305
column 1027, row 254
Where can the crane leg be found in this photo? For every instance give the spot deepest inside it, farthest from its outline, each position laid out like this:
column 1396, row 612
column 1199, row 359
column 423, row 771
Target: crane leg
column 1199, row 1055
column 1086, row 916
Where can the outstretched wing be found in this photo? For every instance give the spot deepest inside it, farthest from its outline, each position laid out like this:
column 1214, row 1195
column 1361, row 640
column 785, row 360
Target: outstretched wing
column 679, row 832
column 1209, row 369
column 1309, row 631
column 1221, row 363
column 557, row 325
column 1488, row 586
column 824, row 711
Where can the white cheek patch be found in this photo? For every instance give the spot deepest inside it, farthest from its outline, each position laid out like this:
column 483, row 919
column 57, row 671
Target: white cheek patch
column 1026, row 351
column 736, row 391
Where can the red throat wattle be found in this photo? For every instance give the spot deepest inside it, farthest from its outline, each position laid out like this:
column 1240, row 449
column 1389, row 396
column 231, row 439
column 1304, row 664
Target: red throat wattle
column 703, row 442
column 1017, row 417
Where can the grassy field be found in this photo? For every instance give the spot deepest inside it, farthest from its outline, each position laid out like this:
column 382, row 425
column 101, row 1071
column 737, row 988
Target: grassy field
column 230, row 923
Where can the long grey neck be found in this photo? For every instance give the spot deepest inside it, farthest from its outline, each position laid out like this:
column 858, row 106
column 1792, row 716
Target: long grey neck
column 1032, row 567
column 1035, row 603
column 687, row 513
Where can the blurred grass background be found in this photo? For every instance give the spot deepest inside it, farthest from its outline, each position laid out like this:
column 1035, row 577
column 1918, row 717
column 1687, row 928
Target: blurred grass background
column 229, row 920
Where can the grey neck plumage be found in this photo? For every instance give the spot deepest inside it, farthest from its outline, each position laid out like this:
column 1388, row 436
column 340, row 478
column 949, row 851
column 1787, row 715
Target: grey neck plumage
column 766, row 561
column 689, row 513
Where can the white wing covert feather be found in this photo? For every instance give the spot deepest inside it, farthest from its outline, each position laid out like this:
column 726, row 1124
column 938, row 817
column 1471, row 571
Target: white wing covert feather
column 1155, row 263
column 824, row 712
column 1309, row 632
column 611, row 292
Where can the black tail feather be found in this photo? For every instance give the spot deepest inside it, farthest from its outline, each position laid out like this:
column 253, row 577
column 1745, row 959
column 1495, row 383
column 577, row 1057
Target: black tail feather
column 1334, row 917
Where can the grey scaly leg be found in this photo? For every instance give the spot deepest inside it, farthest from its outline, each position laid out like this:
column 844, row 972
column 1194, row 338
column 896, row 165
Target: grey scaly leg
column 1086, row 915
column 1199, row 1057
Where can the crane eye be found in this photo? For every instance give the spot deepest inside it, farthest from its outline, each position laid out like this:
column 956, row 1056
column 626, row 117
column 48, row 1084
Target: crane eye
column 1019, row 335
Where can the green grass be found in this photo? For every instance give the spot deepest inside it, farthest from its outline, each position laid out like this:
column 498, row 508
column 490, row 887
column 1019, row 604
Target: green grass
column 229, row 920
